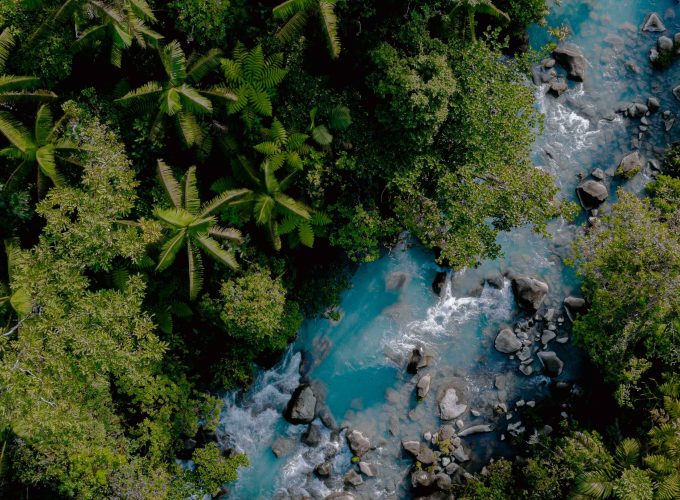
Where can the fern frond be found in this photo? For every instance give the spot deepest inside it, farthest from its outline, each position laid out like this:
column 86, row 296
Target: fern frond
column 195, row 264
column 191, row 201
column 226, row 233
column 267, row 148
column 306, row 233
column 253, row 64
column 170, row 184
column 169, row 250
column 329, row 23
column 231, row 197
column 292, row 29
column 204, row 65
column 213, row 248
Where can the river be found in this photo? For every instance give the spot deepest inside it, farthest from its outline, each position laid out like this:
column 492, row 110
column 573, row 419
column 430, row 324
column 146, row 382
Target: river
column 357, row 365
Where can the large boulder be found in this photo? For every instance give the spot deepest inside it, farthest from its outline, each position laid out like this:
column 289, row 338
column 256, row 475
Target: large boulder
column 653, row 23
column 574, row 306
column 358, row 443
column 324, row 469
column 552, row 365
column 507, row 342
column 422, row 479
column 302, row 406
column 417, row 361
column 571, row 59
column 591, row 193
column 354, row 478
column 312, row 436
column 449, row 408
column 413, row 447
column 423, row 385
column 426, row 456
column 630, row 165
column 439, row 282
column 529, row 292
column 443, row 481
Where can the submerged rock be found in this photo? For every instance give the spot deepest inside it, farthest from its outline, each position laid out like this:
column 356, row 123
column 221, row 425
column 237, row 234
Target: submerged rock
column 507, row 342
column 312, row 436
column 324, row 469
column 366, row 469
column 449, row 408
column 302, row 406
column 653, row 23
column 396, row 280
column 551, row 363
column 571, row 59
column 591, row 193
column 353, row 478
column 358, row 443
column 529, row 292
column 282, row 446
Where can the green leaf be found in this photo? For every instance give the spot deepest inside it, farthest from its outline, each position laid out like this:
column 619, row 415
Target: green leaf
column 20, row 301
column 306, row 233
column 262, row 211
column 170, row 249
column 226, row 233
column 15, row 132
column 48, row 165
column 170, row 184
column 195, row 271
column 231, row 197
column 213, row 248
column 340, row 118
column 293, row 206
column 192, row 202
column 321, row 135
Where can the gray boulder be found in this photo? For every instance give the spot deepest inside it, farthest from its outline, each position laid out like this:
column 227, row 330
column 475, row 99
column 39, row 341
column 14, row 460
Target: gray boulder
column 475, row 429
column 423, row 386
column 557, row 87
column 574, row 306
column 571, row 59
column 449, row 408
column 443, row 482
column 426, row 456
column 591, row 193
column 302, row 406
column 598, row 174
column 653, row 23
column 358, row 443
column 366, row 469
column 353, row 478
column 551, row 363
column 529, row 292
column 630, row 165
column 323, row 470
column 653, row 104
column 664, row 44
column 421, row 479
column 507, row 342
column 413, row 447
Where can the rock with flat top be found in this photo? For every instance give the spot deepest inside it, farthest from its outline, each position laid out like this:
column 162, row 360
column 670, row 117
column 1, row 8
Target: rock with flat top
column 591, row 193
column 552, row 364
column 413, row 447
column 302, row 406
column 358, row 443
column 570, row 58
column 529, row 292
column 507, row 342
column 449, row 407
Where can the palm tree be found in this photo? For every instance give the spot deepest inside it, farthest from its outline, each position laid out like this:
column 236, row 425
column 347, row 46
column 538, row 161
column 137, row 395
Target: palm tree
column 193, row 226
column 296, row 13
column 269, row 201
column 471, row 8
column 177, row 97
column 39, row 149
column 12, row 87
column 122, row 22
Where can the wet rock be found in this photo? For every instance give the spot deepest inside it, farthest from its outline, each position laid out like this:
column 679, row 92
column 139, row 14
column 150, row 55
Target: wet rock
column 426, row 456
column 340, row 495
column 547, row 336
column 366, row 469
column 326, row 418
column 451, row 468
column 653, row 104
column 507, row 342
column 423, row 386
column 443, row 482
column 439, row 282
column 312, row 436
column 417, row 361
column 552, row 365
column 358, row 443
column 301, row 406
column 475, row 413
column 529, row 292
column 653, row 23
column 460, row 424
column 574, row 306
column 460, row 455
column 495, row 280
column 353, row 478
column 475, row 429
column 524, row 354
column 421, row 479
column 413, row 447
column 664, row 44
column 591, row 193
column 446, row 432
column 548, row 63
column 500, row 382
column 630, row 165
column 637, row 110
column 571, row 59
column 283, row 446
column 449, row 408
column 654, row 165
column 323, row 470
column 557, row 87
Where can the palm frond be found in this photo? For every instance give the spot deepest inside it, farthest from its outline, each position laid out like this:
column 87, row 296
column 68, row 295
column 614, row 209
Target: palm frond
column 204, row 65
column 213, row 248
column 15, row 132
column 44, row 123
column 486, row 7
column 292, row 29
column 142, row 9
column 195, row 264
column 177, row 218
column 6, row 45
column 226, row 233
column 263, row 208
column 192, row 202
column 14, row 82
column 595, row 484
column 220, row 93
column 668, row 488
column 169, row 250
column 174, row 62
column 170, row 184
column 292, row 205
column 189, row 128
column 329, row 23
column 146, row 91
column 48, row 165
column 233, row 196
column 193, row 101
column 628, row 452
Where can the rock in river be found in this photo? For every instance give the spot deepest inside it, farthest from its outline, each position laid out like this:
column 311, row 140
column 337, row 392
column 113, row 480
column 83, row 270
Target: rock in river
column 529, row 292
column 353, row 478
column 413, row 447
column 630, row 165
column 574, row 306
column 507, row 342
column 324, row 469
column 591, row 193
column 423, row 385
column 475, row 429
column 653, row 23
column 449, row 408
column 571, row 59
column 312, row 436
column 551, row 363
column 302, row 406
column 358, row 443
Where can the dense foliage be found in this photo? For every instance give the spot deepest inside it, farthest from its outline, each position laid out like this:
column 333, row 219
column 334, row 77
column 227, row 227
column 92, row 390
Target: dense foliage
column 181, row 180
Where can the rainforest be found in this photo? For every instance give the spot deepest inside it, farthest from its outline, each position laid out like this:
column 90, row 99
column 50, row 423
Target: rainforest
column 339, row 249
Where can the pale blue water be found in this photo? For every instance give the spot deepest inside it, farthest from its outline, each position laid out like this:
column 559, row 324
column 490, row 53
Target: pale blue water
column 358, row 364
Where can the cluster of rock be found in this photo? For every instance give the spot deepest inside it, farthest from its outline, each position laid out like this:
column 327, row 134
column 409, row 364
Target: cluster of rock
column 532, row 336
column 667, row 49
column 570, row 58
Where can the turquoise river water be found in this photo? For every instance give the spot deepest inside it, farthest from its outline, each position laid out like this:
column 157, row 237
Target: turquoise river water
column 357, row 365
